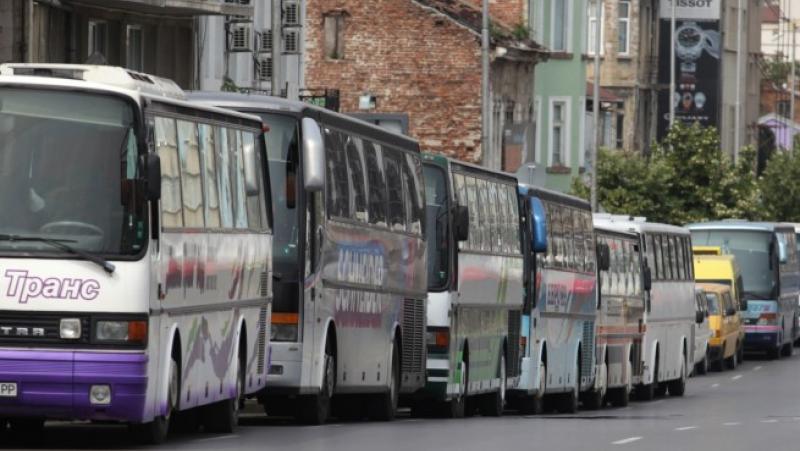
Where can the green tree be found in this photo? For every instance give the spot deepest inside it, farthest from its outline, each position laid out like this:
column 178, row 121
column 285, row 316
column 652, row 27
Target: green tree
column 780, row 187
column 687, row 178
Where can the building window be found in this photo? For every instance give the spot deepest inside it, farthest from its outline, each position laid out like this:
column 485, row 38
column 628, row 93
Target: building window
column 397, row 123
column 560, row 31
column 559, row 132
column 623, row 26
column 135, row 50
column 334, row 35
column 783, row 108
column 591, row 35
column 98, row 38
column 620, row 130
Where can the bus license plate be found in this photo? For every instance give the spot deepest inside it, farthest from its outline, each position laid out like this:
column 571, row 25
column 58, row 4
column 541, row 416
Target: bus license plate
column 8, row 389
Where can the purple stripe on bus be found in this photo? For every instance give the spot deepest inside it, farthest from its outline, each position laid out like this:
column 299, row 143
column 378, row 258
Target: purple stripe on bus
column 55, row 384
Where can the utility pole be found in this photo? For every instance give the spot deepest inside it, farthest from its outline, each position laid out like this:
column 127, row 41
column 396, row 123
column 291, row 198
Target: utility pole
column 485, row 105
column 596, row 105
column 792, row 85
column 672, row 65
column 738, row 119
column 277, row 44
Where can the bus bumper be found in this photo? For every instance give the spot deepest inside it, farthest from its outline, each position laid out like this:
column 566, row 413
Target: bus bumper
column 437, row 378
column 56, row 384
column 285, row 369
column 761, row 337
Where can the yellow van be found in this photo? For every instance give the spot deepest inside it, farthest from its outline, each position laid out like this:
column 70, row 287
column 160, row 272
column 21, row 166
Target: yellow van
column 726, row 345
column 706, row 250
column 722, row 269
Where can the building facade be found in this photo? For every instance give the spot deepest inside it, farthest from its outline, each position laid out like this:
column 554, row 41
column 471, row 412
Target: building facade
column 415, row 66
column 560, row 91
column 153, row 36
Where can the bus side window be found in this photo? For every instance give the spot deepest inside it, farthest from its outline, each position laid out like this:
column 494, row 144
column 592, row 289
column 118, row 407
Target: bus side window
column 254, row 202
column 673, row 252
column 591, row 256
column 552, row 235
column 414, row 194
column 569, row 237
column 513, row 218
column 237, row 168
column 495, row 240
column 579, row 259
column 167, row 148
column 474, row 218
column 460, row 188
column 635, row 268
column 681, row 255
column 376, row 183
column 224, row 178
column 483, row 207
column 337, row 180
column 394, row 188
column 355, row 167
column 209, row 154
column 502, row 217
column 657, row 264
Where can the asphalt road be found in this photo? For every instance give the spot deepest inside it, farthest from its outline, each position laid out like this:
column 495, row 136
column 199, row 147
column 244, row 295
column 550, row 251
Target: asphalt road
column 754, row 407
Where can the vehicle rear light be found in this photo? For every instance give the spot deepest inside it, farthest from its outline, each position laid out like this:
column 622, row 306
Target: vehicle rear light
column 438, row 338
column 766, row 319
column 137, row 331
column 285, row 318
column 285, row 327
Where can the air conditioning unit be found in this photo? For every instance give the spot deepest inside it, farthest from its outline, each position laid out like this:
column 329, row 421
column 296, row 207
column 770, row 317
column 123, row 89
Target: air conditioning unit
column 291, row 41
column 291, row 14
column 240, row 38
column 265, row 68
column 265, row 44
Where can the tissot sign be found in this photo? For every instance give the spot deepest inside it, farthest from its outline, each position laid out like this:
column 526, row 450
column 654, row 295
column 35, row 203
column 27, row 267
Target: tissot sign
column 691, row 9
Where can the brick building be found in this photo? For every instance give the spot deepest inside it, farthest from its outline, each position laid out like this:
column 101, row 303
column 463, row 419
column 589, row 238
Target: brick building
column 415, row 66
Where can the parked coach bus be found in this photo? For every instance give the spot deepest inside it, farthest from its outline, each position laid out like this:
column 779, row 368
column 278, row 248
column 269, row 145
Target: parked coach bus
column 474, row 286
column 666, row 356
column 559, row 310
column 350, row 260
column 768, row 258
column 621, row 293
column 135, row 251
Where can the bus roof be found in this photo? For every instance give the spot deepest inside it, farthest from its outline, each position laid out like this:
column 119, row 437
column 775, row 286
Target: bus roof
column 715, row 267
column 554, row 196
column 635, row 225
column 613, row 229
column 739, row 224
column 253, row 103
column 106, row 79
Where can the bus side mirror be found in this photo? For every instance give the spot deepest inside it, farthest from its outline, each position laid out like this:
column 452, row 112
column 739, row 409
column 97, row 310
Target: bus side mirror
column 538, row 226
column 699, row 317
column 603, row 257
column 313, row 156
column 250, row 168
column 461, row 219
column 648, row 279
column 153, row 176
column 730, row 312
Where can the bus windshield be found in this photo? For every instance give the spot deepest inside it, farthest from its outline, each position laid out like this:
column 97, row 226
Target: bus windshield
column 713, row 303
column 752, row 251
column 68, row 166
column 436, row 206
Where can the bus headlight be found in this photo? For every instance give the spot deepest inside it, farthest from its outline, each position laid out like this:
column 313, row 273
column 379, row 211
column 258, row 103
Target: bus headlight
column 69, row 328
column 128, row 331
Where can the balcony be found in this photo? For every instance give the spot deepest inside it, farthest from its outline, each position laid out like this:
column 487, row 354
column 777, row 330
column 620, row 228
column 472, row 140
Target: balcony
column 186, row 8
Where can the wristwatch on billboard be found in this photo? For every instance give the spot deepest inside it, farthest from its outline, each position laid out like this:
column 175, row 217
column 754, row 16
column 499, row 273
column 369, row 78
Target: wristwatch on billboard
column 689, row 45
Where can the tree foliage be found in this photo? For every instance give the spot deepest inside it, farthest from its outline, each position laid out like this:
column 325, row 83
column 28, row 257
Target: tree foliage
column 780, row 187
column 686, row 178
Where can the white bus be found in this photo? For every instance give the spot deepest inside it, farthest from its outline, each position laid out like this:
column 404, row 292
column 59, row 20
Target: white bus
column 135, row 250
column 350, row 261
column 474, row 287
column 666, row 356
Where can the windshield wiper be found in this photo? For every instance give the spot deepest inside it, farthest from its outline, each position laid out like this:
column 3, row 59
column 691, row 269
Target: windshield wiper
column 99, row 261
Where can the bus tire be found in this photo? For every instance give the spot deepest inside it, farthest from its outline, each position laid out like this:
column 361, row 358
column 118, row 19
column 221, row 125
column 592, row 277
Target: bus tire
column 384, row 406
column 733, row 361
column 677, row 387
column 787, row 350
column 568, row 402
column 741, row 353
column 702, row 367
column 646, row 392
column 155, row 432
column 534, row 405
column 316, row 409
column 457, row 406
column 774, row 353
column 494, row 403
column 596, row 398
column 222, row 417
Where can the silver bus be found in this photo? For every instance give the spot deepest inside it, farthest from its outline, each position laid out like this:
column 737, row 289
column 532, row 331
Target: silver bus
column 349, row 259
column 474, row 287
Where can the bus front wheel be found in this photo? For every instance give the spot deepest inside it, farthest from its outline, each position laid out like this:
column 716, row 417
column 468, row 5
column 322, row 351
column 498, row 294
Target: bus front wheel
column 222, row 417
column 316, row 409
column 155, row 432
column 384, row 406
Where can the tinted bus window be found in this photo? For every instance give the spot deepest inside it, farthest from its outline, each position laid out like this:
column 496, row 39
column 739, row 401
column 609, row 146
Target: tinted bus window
column 474, row 217
column 191, row 183
column 436, row 231
column 513, row 208
column 658, row 266
column 376, row 182
column 235, row 146
column 355, row 166
column 416, row 194
column 483, row 204
column 394, row 188
column 337, row 185
column 460, row 187
column 167, row 148
column 577, row 243
column 209, row 152
column 255, row 202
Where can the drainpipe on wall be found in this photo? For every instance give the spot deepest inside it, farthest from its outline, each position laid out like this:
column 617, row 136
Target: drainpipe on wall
column 485, row 112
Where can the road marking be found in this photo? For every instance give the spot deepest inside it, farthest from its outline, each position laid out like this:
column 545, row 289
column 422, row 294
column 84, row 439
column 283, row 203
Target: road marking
column 626, row 441
column 757, row 368
column 686, row 428
column 769, row 421
column 223, row 437
column 738, row 376
column 714, row 385
column 731, row 424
